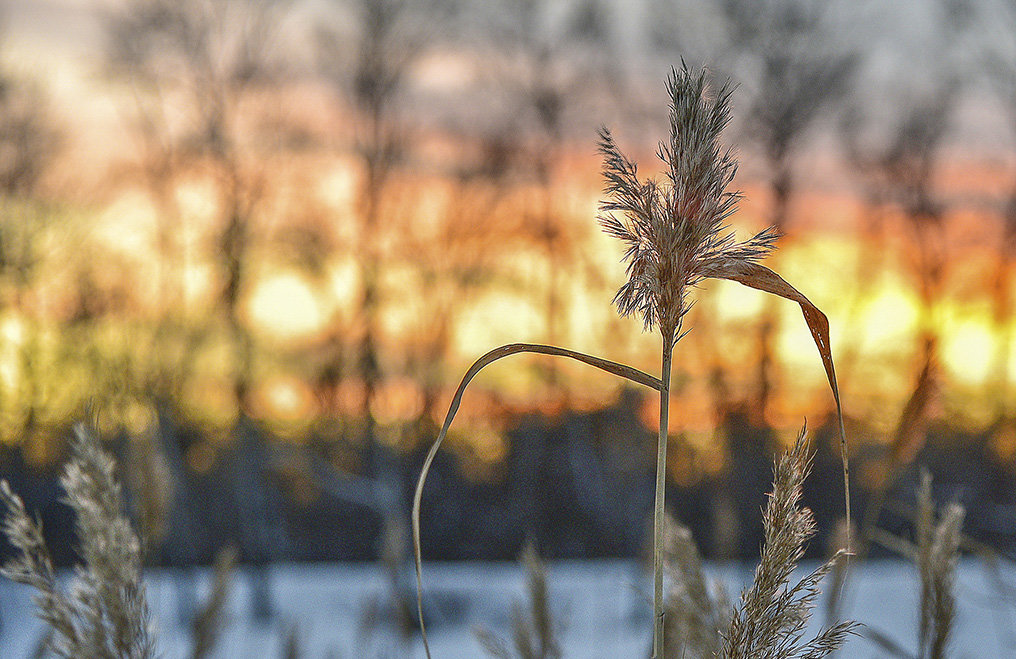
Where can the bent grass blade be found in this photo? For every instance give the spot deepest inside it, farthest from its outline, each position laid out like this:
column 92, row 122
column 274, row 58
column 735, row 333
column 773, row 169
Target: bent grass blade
column 626, row 372
column 762, row 278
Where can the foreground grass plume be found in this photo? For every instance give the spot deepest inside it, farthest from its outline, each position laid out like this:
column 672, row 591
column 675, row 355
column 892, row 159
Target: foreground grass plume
column 104, row 613
column 772, row 616
column 695, row 612
column 208, row 623
column 676, row 236
column 937, row 555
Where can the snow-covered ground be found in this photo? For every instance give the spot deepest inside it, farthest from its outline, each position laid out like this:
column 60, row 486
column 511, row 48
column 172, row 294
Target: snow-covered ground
column 604, row 606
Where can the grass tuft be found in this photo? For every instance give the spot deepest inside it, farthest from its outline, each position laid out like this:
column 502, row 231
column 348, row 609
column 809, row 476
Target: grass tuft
column 937, row 554
column 208, row 623
column 534, row 633
column 105, row 612
column 695, row 613
column 935, row 551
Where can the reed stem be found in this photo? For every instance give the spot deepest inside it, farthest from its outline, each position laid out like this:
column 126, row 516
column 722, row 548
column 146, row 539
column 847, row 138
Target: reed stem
column 661, row 485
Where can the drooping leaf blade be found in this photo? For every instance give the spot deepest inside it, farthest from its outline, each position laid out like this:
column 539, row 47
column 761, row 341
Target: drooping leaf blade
column 762, row 278
column 621, row 370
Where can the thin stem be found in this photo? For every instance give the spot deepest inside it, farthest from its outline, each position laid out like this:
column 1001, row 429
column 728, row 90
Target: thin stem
column 661, row 484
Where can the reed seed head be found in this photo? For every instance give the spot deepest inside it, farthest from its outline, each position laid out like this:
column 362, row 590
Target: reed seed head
column 675, row 229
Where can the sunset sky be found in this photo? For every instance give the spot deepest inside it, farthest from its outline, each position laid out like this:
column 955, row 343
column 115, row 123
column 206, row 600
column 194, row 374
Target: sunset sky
column 852, row 259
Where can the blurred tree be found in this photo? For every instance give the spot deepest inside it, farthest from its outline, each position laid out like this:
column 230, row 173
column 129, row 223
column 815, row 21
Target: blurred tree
column 792, row 68
column 367, row 54
column 906, row 163
column 904, row 167
column 30, row 142
column 549, row 62
column 29, row 137
column 909, row 167
column 454, row 258
column 1000, row 56
column 198, row 69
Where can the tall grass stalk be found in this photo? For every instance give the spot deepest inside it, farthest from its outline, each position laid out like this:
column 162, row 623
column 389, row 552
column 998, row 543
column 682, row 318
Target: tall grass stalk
column 697, row 612
column 935, row 551
column 207, row 625
column 676, row 235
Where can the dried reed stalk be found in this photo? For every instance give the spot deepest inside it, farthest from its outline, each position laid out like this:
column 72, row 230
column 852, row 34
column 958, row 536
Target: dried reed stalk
column 695, row 613
column 535, row 634
column 627, row 372
column 208, row 623
column 676, row 236
column 772, row 616
column 935, row 551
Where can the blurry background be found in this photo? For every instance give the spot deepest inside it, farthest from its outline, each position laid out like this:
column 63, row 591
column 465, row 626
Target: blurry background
column 259, row 241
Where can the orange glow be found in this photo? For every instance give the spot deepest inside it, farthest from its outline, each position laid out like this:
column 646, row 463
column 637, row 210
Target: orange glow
column 497, row 318
column 284, row 398
column 128, row 225
column 343, row 285
column 13, row 331
column 196, row 199
column 876, row 317
column 734, row 302
column 338, row 186
column 197, row 283
column 398, row 400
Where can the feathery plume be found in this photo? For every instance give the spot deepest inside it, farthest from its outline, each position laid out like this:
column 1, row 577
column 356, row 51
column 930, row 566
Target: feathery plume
column 772, row 617
column 675, row 231
column 696, row 614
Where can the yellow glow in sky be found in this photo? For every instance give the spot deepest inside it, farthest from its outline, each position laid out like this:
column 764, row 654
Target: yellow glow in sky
column 286, row 397
column 12, row 330
column 128, row 225
column 735, row 302
column 889, row 316
column 285, row 306
column 495, row 319
column 967, row 351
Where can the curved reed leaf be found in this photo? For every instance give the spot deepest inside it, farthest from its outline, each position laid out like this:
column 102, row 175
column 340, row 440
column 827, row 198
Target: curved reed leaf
column 762, row 278
column 621, row 370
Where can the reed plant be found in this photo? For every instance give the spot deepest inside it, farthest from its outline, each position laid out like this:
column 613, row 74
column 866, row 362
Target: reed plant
column 772, row 617
column 676, row 235
column 103, row 613
column 695, row 610
column 535, row 633
column 208, row 624
column 935, row 551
